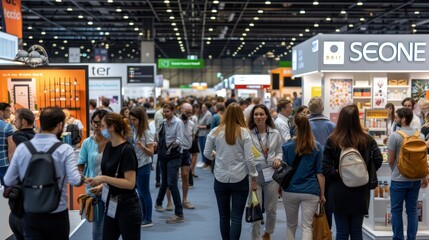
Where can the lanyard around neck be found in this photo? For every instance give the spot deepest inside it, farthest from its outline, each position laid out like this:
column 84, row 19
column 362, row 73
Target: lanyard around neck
column 267, row 137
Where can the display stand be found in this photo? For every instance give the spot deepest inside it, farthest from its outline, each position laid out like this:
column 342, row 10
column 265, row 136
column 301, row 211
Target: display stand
column 377, row 225
column 376, row 122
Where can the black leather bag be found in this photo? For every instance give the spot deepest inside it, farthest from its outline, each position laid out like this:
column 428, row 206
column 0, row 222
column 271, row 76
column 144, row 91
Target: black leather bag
column 16, row 200
column 166, row 153
column 253, row 209
column 284, row 174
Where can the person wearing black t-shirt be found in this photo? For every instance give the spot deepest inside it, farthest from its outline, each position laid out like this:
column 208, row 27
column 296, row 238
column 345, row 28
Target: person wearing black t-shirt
column 118, row 175
column 24, row 123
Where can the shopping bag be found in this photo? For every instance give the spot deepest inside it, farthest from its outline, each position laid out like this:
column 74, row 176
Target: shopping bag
column 253, row 209
column 321, row 229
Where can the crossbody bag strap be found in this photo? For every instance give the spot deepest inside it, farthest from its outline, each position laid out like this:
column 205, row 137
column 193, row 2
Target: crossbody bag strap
column 120, row 159
column 296, row 161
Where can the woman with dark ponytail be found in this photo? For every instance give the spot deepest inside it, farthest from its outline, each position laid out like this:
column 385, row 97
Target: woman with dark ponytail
column 118, row 176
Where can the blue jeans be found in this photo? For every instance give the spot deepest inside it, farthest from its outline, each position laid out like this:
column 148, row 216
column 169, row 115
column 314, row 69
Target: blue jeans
column 202, row 142
column 97, row 225
column 169, row 178
column 143, row 179
column 348, row 225
column 408, row 192
column 231, row 215
column 2, row 173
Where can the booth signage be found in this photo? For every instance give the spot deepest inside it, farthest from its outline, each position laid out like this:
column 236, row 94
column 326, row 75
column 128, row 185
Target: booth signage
column 174, row 63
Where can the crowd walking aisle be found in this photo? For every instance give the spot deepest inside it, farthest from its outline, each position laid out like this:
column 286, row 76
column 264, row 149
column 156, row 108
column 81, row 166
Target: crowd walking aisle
column 201, row 223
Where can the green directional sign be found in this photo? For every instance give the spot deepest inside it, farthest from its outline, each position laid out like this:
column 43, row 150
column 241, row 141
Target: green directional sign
column 285, row 63
column 180, row 63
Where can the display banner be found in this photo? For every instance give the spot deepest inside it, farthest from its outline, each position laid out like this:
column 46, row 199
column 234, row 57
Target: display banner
column 361, row 52
column 179, row 63
column 12, row 17
column 106, row 88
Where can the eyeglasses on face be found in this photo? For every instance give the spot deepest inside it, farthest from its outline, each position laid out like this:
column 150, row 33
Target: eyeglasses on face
column 96, row 123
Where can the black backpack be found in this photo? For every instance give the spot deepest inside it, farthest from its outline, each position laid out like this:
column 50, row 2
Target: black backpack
column 75, row 133
column 40, row 184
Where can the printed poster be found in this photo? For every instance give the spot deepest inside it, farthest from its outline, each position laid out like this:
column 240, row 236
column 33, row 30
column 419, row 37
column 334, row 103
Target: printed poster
column 106, row 88
column 340, row 93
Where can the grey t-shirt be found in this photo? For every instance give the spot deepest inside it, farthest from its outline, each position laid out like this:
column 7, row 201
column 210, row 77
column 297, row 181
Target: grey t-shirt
column 394, row 143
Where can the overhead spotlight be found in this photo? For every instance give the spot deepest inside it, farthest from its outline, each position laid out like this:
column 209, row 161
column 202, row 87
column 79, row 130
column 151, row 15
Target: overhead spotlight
column 413, row 25
column 301, row 35
column 90, row 23
column 118, row 10
column 210, row 29
column 173, row 24
column 80, row 16
column 260, row 11
column 316, row 25
column 302, row 11
column 251, row 24
column 215, row 2
column 256, row 18
column 359, row 3
column 267, row 2
column 30, row 27
column 328, row 19
column 214, row 11
column 169, row 10
column 351, row 25
column 343, row 12
column 307, row 30
column 69, row 9
column 171, row 17
column 417, row 12
column 212, row 17
column 126, row 17
column 361, row 19
column 337, row 30
column 315, row 3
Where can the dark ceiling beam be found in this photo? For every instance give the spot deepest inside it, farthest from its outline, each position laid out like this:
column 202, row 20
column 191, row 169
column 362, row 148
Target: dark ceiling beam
column 185, row 35
column 235, row 26
column 151, row 8
column 203, row 30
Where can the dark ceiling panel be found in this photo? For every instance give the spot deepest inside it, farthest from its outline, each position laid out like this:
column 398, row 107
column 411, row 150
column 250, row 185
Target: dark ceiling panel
column 233, row 31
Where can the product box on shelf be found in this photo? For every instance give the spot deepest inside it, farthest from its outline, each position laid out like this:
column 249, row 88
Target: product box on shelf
column 392, row 82
column 402, row 82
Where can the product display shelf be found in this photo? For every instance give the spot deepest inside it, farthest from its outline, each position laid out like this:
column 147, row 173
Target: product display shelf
column 396, row 93
column 377, row 224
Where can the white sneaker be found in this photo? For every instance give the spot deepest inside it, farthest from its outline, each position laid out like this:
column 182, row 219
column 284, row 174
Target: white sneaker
column 200, row 164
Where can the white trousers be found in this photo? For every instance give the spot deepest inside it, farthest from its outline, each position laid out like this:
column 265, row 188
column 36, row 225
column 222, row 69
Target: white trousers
column 270, row 200
column 308, row 203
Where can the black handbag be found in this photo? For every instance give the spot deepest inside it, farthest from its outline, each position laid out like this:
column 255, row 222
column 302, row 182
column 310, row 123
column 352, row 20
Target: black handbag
column 253, row 209
column 16, row 200
column 284, row 174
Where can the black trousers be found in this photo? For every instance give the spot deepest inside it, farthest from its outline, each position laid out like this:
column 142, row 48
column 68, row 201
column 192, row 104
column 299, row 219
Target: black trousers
column 47, row 226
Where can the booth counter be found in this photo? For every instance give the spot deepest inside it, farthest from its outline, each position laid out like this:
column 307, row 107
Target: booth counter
column 370, row 71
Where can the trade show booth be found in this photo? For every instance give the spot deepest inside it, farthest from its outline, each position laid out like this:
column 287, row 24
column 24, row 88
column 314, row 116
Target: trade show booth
column 250, row 85
column 370, row 71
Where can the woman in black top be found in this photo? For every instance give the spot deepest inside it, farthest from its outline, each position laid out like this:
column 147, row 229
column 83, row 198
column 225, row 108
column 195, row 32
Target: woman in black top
column 350, row 204
column 118, row 169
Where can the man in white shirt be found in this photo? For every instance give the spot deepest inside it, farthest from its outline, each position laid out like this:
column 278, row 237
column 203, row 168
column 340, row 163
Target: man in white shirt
column 284, row 109
column 410, row 103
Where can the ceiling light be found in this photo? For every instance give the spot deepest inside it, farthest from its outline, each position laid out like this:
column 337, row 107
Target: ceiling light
column 315, row 3
column 57, row 0
column 212, row 17
column 291, row 43
column 180, row 42
column 293, row 39
column 176, row 29
column 283, row 43
column 171, row 17
column 350, row 25
column 260, row 11
column 177, row 34
column 62, row 48
column 208, row 42
column 65, row 41
column 307, row 30
column 82, row 47
column 110, row 1
column 343, row 12
column 166, row 1
column 54, row 44
column 69, row 9
column 169, row 10
column 90, row 23
column 214, row 11
column 316, row 25
column 30, row 27
column 136, row 29
column 247, row 29
column 106, row 33
column 98, row 28
column 263, row 43
column 244, row 34
column 173, row 24
column 256, row 18
column 267, row 2
column 361, row 19
column 55, row 37
column 215, row 2
column 328, row 19
column 359, row 3
column 179, row 38
column 241, row 39
column 413, row 25
column 43, row 33
column 126, row 17
column 209, row 38
column 41, row 41
column 118, row 10
column 416, row 12
column 414, row 30
column 301, row 35
column 140, row 34
column 210, row 29
column 131, row 23
column 251, row 24
column 92, row 41
column 337, row 30
column 302, row 11
column 80, row 16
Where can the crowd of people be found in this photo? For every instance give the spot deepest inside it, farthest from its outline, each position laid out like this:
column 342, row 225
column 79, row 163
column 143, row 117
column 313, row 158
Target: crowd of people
column 243, row 142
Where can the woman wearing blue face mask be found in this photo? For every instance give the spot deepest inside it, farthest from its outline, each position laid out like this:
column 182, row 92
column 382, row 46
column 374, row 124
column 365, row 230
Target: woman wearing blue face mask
column 119, row 169
column 143, row 144
column 89, row 165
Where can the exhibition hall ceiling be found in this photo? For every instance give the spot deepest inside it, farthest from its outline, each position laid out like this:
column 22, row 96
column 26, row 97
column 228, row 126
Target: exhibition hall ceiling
column 209, row 28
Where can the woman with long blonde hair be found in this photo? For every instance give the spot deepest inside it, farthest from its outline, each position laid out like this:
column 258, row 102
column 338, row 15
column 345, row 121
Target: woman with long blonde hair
column 231, row 143
column 307, row 186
